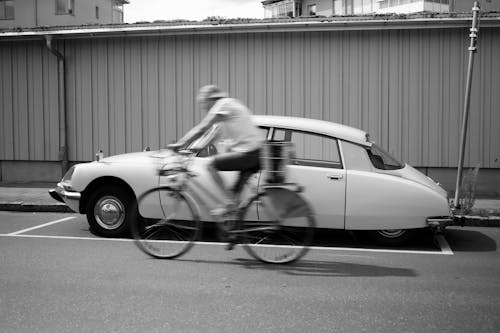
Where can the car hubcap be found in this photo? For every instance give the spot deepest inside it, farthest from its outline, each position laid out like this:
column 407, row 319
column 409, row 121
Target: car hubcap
column 109, row 213
column 392, row 233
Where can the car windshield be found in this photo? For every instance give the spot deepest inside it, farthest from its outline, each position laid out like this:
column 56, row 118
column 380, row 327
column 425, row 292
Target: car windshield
column 383, row 160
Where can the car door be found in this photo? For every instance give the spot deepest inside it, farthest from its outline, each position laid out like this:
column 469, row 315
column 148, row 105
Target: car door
column 317, row 166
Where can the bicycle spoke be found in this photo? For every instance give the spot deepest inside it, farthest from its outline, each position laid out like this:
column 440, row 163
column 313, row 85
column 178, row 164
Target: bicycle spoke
column 169, row 238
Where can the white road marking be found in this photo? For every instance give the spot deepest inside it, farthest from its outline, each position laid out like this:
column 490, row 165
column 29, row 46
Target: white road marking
column 443, row 244
column 41, row 226
column 69, row 237
column 356, row 249
column 444, row 250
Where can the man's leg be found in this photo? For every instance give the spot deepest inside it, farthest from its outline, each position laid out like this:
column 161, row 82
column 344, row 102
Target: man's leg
column 214, row 172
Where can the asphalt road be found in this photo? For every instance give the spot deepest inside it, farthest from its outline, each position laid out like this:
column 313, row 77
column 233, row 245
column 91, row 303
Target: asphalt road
column 57, row 277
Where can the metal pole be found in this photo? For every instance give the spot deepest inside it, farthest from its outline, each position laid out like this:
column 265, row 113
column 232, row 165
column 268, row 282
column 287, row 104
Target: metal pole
column 474, row 30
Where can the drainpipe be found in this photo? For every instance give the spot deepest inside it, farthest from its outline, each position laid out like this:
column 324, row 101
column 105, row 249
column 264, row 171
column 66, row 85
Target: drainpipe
column 63, row 137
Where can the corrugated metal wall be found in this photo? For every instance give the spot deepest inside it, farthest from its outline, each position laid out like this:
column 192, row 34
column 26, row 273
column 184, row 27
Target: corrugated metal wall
column 405, row 87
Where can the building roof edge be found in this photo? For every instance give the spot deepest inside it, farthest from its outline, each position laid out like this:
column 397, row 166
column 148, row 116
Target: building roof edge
column 378, row 22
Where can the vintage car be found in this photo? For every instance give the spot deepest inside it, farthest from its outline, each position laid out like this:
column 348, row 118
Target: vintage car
column 351, row 182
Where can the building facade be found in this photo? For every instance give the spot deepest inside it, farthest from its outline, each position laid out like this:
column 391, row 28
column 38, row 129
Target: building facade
column 133, row 86
column 36, row 13
column 297, row 8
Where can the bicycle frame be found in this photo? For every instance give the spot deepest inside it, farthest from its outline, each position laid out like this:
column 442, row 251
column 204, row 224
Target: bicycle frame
column 201, row 195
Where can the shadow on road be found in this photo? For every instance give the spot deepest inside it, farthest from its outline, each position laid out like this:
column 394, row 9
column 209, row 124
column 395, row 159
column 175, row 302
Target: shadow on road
column 328, row 268
column 317, row 268
column 462, row 240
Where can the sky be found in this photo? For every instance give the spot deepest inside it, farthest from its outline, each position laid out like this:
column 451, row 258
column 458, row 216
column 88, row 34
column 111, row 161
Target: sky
column 196, row 10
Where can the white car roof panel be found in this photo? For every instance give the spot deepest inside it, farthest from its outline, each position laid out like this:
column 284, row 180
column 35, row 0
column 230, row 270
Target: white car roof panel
column 328, row 128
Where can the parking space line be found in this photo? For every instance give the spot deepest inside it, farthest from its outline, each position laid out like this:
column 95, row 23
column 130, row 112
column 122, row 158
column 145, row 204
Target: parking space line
column 356, row 249
column 41, row 226
column 69, row 237
column 443, row 251
column 443, row 244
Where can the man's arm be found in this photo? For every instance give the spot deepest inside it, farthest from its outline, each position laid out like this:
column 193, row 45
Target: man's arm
column 197, row 131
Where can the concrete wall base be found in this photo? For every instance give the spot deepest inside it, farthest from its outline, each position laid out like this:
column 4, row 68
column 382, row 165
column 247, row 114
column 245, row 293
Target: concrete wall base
column 487, row 183
column 30, row 171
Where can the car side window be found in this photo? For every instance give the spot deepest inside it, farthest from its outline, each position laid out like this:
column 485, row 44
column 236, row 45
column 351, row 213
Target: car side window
column 311, row 149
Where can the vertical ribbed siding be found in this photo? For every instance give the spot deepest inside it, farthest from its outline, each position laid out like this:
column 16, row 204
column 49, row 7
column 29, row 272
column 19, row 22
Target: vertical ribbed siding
column 28, row 102
column 405, row 87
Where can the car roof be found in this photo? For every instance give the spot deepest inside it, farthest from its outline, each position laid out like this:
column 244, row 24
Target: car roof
column 328, row 128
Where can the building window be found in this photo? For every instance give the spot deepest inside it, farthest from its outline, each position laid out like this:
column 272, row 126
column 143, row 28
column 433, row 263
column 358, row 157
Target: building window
column 311, row 10
column 289, row 9
column 97, row 12
column 65, row 7
column 6, row 9
column 298, row 9
column 284, row 8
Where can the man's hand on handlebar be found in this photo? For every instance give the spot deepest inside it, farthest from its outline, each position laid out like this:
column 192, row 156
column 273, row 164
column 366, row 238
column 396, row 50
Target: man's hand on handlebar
column 174, row 146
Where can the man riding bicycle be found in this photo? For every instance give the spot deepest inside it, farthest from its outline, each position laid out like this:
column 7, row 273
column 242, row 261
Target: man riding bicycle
column 245, row 140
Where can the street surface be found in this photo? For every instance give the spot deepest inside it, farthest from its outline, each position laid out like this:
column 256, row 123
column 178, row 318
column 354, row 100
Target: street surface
column 55, row 276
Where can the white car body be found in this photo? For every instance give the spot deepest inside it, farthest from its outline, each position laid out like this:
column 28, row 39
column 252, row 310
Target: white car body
column 348, row 192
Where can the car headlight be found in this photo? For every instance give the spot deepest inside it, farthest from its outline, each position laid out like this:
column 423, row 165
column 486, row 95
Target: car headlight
column 66, row 181
column 69, row 174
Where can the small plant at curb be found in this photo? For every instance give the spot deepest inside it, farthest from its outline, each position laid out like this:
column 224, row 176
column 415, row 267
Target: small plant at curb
column 468, row 190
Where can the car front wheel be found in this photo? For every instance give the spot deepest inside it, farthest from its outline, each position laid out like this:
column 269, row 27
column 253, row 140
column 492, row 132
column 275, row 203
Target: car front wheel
column 110, row 211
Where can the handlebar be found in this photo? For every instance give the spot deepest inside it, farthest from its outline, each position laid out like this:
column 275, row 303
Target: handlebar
column 178, row 163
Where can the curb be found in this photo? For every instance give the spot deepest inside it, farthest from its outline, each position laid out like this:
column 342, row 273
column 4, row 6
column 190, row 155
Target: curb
column 34, row 207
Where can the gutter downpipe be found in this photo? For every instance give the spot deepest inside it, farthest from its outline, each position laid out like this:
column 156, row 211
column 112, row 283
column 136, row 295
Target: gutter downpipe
column 474, row 30
column 63, row 136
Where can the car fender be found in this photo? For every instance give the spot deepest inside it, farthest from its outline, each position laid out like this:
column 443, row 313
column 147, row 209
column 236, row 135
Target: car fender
column 140, row 177
column 376, row 201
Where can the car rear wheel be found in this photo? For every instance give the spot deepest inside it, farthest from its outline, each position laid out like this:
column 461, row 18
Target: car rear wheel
column 392, row 237
column 110, row 211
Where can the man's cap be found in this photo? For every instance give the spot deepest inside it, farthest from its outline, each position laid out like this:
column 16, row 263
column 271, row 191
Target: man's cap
column 210, row 92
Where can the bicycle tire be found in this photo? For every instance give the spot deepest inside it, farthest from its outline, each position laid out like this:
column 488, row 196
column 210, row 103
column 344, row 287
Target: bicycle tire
column 173, row 236
column 295, row 226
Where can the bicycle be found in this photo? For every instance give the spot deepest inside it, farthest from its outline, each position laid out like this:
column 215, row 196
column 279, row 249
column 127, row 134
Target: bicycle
column 274, row 224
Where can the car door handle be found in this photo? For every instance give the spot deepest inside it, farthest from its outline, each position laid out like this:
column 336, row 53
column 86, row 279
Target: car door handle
column 335, row 177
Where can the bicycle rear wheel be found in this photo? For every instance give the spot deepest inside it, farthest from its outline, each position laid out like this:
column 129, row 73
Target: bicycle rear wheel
column 170, row 237
column 277, row 226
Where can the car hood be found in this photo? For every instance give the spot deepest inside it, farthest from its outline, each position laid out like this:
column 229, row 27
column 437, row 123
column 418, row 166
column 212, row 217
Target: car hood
column 137, row 157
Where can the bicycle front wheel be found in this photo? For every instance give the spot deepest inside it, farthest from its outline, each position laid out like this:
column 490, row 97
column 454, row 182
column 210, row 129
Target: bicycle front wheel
column 172, row 236
column 277, row 226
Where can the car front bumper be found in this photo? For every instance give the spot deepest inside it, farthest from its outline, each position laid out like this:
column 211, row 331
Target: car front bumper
column 70, row 198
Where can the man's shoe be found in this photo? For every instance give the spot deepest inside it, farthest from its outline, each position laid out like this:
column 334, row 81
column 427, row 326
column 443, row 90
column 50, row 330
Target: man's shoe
column 232, row 242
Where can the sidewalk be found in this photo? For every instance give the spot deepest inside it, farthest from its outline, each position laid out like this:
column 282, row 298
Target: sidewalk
column 29, row 197
column 34, row 197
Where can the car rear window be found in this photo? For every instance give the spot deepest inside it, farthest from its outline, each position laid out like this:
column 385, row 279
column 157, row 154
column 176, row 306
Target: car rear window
column 383, row 160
